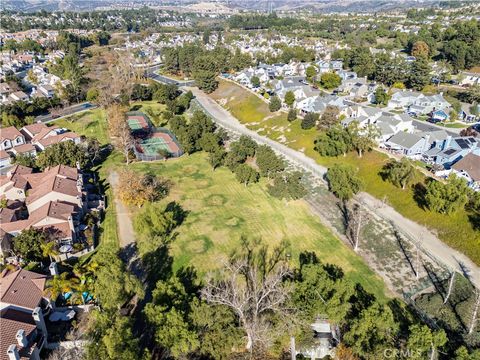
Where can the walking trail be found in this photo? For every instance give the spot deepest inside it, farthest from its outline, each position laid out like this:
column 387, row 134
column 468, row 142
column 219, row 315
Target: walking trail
column 126, row 233
column 451, row 258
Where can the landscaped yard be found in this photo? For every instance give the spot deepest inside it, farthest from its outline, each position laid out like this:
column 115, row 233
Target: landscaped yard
column 455, row 230
column 221, row 210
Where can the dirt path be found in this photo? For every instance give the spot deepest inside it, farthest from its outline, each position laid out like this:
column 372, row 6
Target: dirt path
column 126, row 233
column 428, row 241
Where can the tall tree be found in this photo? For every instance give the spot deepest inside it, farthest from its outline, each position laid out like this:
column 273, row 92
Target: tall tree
column 424, row 341
column 343, row 182
column 401, row 173
column 329, row 117
column 267, row 161
column 289, row 98
column 275, row 103
column 362, row 138
column 419, row 74
column 447, row 197
column 251, row 284
column 372, row 332
column 245, row 174
column 120, row 131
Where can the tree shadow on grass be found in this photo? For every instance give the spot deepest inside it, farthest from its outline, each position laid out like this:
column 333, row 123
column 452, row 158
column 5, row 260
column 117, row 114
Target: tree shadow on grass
column 419, row 192
column 474, row 221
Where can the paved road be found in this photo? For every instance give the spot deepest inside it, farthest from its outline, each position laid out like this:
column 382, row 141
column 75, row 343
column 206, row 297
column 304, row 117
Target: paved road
column 74, row 109
column 442, row 252
column 426, row 126
column 166, row 80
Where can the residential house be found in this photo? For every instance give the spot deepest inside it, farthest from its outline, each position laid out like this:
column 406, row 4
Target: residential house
column 5, row 159
column 418, row 103
column 469, row 168
column 19, row 96
column 470, row 78
column 13, row 185
column 54, row 201
column 22, row 308
column 298, row 85
column 469, row 113
column 47, row 90
column 454, row 149
column 317, row 104
column 11, row 137
column 358, row 88
column 52, row 135
column 410, row 145
column 388, row 124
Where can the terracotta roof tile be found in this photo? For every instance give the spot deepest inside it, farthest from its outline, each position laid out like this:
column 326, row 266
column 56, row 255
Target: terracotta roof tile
column 10, row 322
column 33, row 129
column 470, row 164
column 9, row 133
column 18, row 288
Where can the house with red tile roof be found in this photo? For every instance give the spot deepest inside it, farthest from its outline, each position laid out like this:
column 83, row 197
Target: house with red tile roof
column 52, row 135
column 11, row 137
column 5, row 159
column 23, row 331
column 53, row 200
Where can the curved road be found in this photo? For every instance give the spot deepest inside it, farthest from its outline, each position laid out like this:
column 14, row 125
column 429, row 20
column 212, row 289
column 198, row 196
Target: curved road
column 425, row 238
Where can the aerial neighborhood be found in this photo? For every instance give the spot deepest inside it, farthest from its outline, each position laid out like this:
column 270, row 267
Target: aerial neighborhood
column 233, row 179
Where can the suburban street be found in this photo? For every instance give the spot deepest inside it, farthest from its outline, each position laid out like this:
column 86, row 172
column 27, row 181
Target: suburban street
column 151, row 73
column 77, row 108
column 426, row 126
column 427, row 240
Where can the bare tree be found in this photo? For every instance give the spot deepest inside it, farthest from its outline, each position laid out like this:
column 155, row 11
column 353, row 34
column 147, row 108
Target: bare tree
column 355, row 222
column 252, row 284
column 473, row 321
column 119, row 130
column 450, row 287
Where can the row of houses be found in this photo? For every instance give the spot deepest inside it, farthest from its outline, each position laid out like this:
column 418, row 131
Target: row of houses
column 52, row 201
column 36, row 79
column 31, row 139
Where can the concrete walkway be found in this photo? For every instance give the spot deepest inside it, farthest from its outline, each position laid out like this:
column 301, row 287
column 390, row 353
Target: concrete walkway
column 426, row 239
column 126, row 234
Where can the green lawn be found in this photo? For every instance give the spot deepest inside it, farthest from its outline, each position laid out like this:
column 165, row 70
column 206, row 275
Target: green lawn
column 455, row 230
column 221, row 210
column 90, row 123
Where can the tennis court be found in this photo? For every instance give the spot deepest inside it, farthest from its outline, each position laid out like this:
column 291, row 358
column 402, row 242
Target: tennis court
column 159, row 141
column 137, row 122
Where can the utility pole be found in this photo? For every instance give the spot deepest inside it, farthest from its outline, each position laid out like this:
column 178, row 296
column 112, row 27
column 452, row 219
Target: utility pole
column 450, row 287
column 293, row 351
column 473, row 322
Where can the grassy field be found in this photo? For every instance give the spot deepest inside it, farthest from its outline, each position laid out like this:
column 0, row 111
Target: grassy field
column 91, row 123
column 455, row 230
column 221, row 210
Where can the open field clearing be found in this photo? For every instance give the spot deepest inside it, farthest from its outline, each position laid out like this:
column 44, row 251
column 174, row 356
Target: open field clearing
column 221, row 210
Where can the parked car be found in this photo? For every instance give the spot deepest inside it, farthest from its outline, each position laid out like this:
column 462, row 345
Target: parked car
column 433, row 121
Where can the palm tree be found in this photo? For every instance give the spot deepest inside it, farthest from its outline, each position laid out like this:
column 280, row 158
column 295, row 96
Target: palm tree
column 61, row 284
column 49, row 249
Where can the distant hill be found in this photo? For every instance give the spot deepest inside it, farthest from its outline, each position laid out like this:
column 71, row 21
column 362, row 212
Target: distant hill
column 255, row 5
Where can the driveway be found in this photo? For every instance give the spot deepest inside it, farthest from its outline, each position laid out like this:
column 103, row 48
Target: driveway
column 427, row 240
